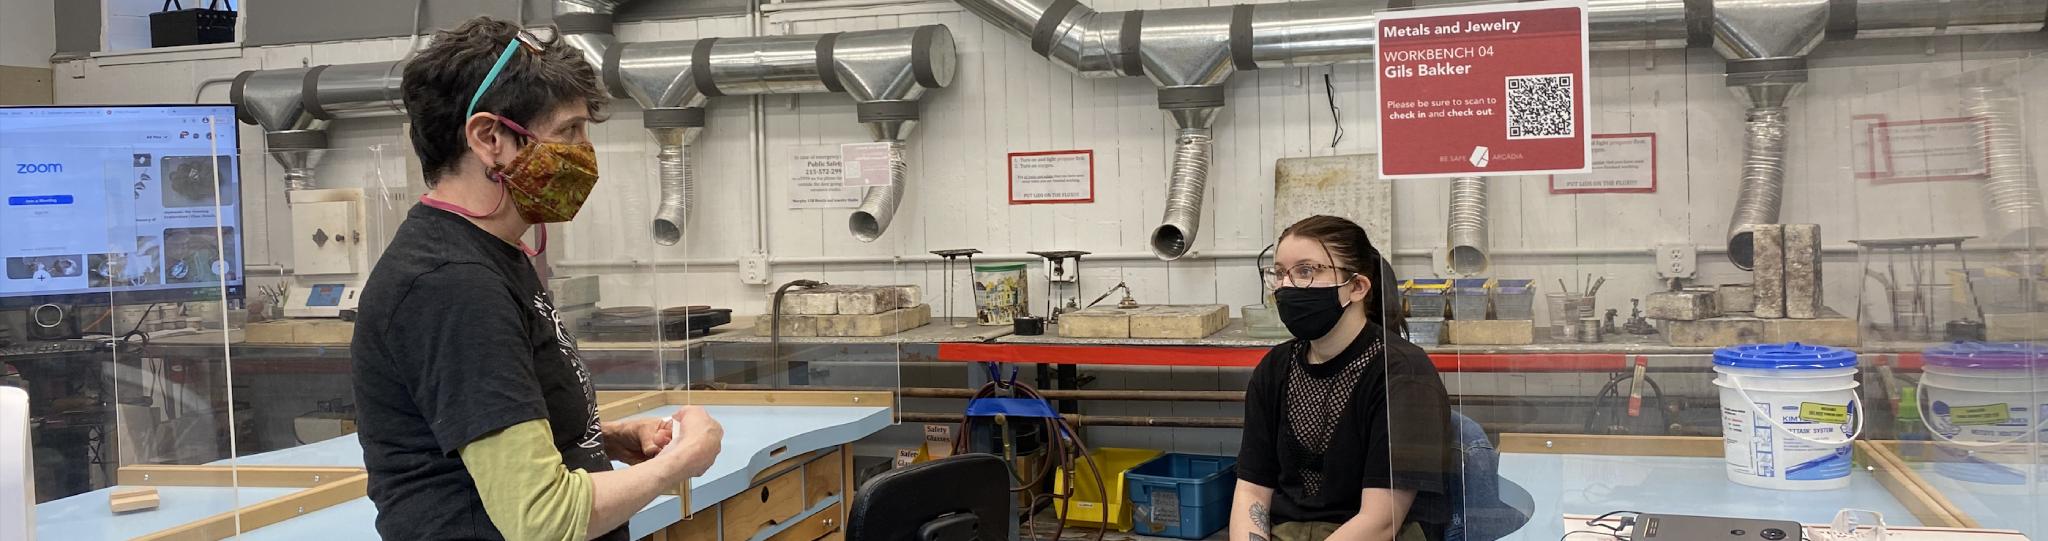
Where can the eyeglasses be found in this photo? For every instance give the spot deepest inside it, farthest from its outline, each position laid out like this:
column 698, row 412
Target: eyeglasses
column 1306, row 275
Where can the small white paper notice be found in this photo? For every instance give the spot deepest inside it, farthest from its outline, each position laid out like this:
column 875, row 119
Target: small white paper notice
column 814, row 181
column 1622, row 163
column 1059, row 176
column 865, row 164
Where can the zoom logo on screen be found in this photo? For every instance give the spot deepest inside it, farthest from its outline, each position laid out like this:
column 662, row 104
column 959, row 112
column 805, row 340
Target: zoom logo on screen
column 32, row 168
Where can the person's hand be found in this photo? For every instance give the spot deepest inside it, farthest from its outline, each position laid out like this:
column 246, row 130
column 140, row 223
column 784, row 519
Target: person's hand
column 696, row 441
column 636, row 440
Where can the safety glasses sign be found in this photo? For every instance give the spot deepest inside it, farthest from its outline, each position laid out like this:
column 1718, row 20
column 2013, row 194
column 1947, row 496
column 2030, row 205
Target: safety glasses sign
column 1483, row 90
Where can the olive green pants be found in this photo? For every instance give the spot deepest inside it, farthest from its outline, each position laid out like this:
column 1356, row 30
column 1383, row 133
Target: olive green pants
column 1318, row 531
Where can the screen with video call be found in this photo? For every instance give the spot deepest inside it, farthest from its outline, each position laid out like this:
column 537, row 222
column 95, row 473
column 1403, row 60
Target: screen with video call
column 140, row 202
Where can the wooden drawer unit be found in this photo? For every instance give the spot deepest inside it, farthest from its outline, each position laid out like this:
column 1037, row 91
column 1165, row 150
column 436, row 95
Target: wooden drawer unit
column 815, row 527
column 762, row 506
column 824, row 477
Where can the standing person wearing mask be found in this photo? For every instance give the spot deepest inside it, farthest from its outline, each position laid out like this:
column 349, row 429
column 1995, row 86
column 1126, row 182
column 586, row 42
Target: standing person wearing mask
column 477, row 417
column 1347, row 428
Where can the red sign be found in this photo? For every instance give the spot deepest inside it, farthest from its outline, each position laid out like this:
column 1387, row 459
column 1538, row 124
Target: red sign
column 1489, row 90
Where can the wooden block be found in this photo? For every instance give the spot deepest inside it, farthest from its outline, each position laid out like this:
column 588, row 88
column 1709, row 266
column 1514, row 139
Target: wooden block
column 1735, row 298
column 125, row 499
column 1829, row 330
column 823, row 478
column 1184, row 322
column 268, row 332
column 2021, row 326
column 883, row 324
column 1096, row 323
column 1494, row 332
column 1594, row 444
column 1681, row 305
column 1715, row 332
column 300, row 331
column 1769, row 250
column 1802, row 271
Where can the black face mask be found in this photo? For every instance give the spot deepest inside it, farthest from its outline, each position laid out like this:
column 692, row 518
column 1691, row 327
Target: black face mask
column 1309, row 312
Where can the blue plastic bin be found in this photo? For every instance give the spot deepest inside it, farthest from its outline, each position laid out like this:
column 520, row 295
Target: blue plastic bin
column 1182, row 495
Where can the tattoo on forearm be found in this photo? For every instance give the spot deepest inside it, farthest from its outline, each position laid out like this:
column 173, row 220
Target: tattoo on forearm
column 1260, row 519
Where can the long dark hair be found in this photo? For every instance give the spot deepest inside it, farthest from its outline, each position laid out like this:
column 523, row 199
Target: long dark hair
column 1350, row 248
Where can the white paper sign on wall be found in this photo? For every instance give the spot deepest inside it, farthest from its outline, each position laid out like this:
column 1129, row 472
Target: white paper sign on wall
column 1622, row 163
column 1056, row 176
column 814, row 181
column 864, row 164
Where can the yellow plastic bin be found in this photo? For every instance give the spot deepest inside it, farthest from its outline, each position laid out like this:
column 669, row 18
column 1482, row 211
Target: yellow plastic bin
column 1090, row 506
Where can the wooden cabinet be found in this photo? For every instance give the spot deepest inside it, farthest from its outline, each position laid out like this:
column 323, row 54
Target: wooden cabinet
column 774, row 508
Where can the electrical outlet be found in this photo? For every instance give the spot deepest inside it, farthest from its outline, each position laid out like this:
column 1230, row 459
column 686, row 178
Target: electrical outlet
column 1676, row 261
column 754, row 269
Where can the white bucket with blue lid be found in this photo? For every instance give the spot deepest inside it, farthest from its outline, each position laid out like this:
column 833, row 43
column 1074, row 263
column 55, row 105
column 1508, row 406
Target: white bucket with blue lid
column 1984, row 404
column 1788, row 414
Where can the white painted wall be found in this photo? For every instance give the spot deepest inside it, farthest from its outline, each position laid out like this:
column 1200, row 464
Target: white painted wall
column 1006, row 99
column 28, row 33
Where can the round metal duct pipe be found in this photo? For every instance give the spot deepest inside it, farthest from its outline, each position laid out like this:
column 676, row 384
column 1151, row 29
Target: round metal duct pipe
column 1467, row 231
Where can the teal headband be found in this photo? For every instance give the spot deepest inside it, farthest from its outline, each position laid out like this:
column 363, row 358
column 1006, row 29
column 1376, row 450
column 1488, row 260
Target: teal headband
column 510, row 47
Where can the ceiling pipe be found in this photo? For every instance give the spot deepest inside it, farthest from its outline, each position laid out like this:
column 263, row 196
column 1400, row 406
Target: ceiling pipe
column 1187, row 51
column 885, row 72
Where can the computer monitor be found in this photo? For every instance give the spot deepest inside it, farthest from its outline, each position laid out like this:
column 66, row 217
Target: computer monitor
column 120, row 204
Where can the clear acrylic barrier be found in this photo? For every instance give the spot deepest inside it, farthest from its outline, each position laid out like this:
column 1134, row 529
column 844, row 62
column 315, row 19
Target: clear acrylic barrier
column 137, row 247
column 1935, row 422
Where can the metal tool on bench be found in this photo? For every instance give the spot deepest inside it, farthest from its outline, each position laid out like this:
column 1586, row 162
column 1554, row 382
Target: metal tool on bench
column 1637, row 324
column 1127, row 302
column 948, row 273
column 1056, row 273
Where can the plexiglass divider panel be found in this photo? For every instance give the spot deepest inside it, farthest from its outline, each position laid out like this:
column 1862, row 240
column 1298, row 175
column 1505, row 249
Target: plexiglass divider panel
column 1881, row 354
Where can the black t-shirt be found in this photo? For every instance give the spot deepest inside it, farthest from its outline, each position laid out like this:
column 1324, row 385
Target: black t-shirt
column 455, row 339
column 1376, row 416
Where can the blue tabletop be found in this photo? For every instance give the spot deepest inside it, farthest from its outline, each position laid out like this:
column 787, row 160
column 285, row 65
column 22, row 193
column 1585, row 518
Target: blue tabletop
column 755, row 437
column 2012, row 508
column 86, row 516
column 1596, row 484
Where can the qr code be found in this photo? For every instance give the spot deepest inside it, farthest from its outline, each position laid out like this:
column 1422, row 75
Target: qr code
column 1540, row 107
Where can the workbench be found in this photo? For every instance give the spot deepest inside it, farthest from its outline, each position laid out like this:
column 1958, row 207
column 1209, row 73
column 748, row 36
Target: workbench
column 1584, row 475
column 784, row 473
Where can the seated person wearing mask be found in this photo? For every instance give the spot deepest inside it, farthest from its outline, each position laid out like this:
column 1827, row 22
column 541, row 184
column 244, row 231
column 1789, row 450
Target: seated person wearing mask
column 477, row 416
column 1347, row 429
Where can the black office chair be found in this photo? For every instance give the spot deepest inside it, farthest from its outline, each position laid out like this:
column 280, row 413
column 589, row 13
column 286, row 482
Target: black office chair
column 959, row 498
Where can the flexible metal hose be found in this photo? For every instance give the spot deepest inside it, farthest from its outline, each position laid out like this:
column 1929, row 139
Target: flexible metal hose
column 678, row 189
column 1184, row 192
column 1763, row 181
column 298, row 178
column 878, row 205
column 1468, row 225
column 2010, row 194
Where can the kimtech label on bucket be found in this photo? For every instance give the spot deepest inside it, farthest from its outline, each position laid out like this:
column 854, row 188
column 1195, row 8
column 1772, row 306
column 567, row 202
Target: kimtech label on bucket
column 1788, row 414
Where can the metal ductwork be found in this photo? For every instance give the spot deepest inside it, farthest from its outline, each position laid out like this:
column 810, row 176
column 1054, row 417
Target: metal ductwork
column 587, row 26
column 1186, row 50
column 2011, row 196
column 1466, row 235
column 295, row 137
column 1766, row 43
column 886, row 72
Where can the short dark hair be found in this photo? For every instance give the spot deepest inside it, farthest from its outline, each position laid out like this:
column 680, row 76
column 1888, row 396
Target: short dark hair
column 1350, row 248
column 441, row 80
